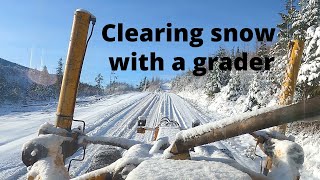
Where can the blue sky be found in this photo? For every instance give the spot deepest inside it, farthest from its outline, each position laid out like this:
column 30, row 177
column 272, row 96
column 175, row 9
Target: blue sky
column 44, row 26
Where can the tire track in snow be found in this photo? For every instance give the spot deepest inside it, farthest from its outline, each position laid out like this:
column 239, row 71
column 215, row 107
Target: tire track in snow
column 119, row 119
column 116, row 126
column 234, row 145
column 11, row 166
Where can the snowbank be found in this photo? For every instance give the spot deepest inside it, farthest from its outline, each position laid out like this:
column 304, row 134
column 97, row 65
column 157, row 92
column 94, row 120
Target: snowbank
column 288, row 159
column 185, row 169
column 219, row 106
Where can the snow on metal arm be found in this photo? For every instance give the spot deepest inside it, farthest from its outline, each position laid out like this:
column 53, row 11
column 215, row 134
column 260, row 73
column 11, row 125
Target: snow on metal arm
column 249, row 122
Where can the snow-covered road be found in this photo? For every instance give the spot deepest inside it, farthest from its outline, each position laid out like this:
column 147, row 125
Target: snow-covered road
column 111, row 116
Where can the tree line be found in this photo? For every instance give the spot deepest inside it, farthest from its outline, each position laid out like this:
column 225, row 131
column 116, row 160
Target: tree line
column 300, row 20
column 25, row 84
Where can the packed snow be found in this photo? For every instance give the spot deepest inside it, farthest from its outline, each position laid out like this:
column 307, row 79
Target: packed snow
column 20, row 123
column 167, row 169
column 114, row 118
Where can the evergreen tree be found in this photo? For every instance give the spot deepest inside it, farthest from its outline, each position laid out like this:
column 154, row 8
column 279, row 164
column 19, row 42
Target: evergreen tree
column 144, row 84
column 234, row 87
column 309, row 77
column 224, row 75
column 238, row 52
column 214, row 82
column 308, row 16
column 59, row 75
column 307, row 28
column 99, row 80
column 262, row 50
column 217, row 78
column 281, row 48
column 253, row 95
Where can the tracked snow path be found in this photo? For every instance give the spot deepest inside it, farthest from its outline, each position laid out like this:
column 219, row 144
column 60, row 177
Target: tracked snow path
column 18, row 127
column 115, row 116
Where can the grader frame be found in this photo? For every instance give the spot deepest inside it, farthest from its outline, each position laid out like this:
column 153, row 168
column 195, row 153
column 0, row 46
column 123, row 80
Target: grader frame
column 308, row 111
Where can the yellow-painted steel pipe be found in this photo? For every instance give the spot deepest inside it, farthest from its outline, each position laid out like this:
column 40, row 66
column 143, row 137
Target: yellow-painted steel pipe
column 290, row 79
column 288, row 86
column 71, row 76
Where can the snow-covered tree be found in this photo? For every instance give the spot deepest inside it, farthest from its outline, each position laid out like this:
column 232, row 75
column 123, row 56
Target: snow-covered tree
column 280, row 49
column 309, row 77
column 238, row 52
column 234, row 87
column 144, row 84
column 214, row 81
column 308, row 16
column 224, row 75
column 307, row 28
column 216, row 78
column 253, row 96
column 262, row 50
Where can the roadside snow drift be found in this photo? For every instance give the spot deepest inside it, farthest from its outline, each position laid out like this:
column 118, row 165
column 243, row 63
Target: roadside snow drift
column 185, row 169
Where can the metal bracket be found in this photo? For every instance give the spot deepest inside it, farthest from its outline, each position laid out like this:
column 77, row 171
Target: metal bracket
column 84, row 154
column 83, row 122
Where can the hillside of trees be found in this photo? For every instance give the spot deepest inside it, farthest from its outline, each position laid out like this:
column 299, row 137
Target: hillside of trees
column 150, row 85
column 19, row 84
column 257, row 89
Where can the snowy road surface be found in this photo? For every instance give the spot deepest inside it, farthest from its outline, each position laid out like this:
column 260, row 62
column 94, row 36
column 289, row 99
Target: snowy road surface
column 110, row 116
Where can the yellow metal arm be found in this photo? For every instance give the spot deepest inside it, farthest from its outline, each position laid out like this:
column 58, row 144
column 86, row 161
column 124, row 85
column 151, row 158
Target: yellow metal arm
column 73, row 68
column 290, row 80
